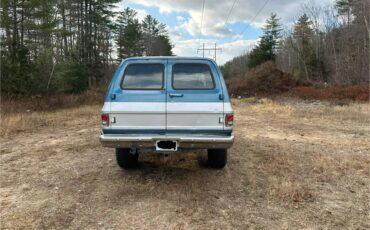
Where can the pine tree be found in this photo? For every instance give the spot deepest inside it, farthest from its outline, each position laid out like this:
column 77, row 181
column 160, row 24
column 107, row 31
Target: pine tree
column 129, row 34
column 130, row 40
column 269, row 43
column 272, row 32
column 136, row 39
column 302, row 35
column 309, row 65
column 125, row 17
column 303, row 28
column 151, row 30
column 162, row 46
column 344, row 8
column 66, row 45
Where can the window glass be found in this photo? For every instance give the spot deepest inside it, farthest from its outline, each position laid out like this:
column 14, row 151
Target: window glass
column 192, row 76
column 143, row 76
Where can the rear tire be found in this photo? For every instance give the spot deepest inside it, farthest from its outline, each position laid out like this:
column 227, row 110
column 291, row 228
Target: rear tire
column 217, row 158
column 125, row 159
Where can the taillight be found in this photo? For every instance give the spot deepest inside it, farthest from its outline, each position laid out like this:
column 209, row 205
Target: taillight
column 229, row 119
column 105, row 119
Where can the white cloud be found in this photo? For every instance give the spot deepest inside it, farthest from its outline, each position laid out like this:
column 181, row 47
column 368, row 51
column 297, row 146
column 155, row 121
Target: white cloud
column 216, row 12
column 180, row 18
column 141, row 14
column 214, row 17
column 235, row 48
column 175, row 33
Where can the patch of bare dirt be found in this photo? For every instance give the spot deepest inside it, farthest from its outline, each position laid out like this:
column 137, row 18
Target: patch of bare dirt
column 293, row 165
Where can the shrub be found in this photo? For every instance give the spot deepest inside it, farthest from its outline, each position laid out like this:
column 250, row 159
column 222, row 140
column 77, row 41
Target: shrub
column 335, row 93
column 72, row 78
column 264, row 80
column 51, row 102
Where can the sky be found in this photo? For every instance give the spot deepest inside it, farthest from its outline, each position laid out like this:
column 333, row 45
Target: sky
column 229, row 23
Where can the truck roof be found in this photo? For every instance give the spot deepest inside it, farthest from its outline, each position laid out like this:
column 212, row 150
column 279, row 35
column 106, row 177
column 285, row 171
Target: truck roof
column 168, row 57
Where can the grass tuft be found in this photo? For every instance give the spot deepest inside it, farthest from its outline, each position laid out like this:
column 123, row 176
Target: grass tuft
column 292, row 192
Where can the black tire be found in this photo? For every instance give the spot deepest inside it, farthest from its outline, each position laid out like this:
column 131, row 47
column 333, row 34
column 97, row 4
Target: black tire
column 125, row 159
column 217, row 158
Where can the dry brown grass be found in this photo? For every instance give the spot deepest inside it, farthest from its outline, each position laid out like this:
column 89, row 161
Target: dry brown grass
column 51, row 102
column 294, row 165
column 13, row 123
column 292, row 191
column 329, row 167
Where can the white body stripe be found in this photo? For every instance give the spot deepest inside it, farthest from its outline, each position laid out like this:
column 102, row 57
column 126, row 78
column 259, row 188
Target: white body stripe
column 160, row 107
column 135, row 107
column 228, row 108
column 162, row 115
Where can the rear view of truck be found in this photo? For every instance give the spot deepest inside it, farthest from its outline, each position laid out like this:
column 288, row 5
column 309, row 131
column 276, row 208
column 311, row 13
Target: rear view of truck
column 167, row 105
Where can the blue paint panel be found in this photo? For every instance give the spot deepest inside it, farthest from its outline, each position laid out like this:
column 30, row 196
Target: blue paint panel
column 162, row 131
column 209, row 96
column 160, row 95
column 110, row 89
column 137, row 95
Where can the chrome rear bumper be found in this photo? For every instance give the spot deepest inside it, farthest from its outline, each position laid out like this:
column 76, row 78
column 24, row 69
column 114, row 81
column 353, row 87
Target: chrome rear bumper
column 149, row 141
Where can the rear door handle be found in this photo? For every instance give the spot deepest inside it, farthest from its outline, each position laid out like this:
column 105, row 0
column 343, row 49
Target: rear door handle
column 176, row 95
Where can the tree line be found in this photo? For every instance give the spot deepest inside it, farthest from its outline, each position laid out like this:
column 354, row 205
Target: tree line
column 326, row 44
column 149, row 37
column 70, row 45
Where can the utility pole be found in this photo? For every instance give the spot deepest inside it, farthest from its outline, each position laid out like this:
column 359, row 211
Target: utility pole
column 215, row 49
column 202, row 49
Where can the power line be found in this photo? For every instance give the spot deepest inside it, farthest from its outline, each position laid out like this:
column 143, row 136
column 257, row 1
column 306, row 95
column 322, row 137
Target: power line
column 215, row 49
column 201, row 22
column 259, row 11
column 228, row 16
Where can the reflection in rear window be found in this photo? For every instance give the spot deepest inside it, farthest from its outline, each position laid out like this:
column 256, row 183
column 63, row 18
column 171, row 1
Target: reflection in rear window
column 143, row 76
column 192, row 76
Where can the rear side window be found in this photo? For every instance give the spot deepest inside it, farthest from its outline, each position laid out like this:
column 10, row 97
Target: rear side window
column 192, row 76
column 143, row 76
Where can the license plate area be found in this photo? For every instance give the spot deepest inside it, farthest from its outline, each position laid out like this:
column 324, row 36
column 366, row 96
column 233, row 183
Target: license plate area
column 166, row 146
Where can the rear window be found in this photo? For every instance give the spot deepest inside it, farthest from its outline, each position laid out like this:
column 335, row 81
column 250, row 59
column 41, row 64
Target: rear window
column 143, row 76
column 192, row 76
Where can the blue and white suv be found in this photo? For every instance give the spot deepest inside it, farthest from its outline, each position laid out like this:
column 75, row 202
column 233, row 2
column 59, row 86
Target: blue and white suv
column 167, row 104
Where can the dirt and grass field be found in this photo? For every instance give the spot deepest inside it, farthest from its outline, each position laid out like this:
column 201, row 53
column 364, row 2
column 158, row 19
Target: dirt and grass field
column 294, row 165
